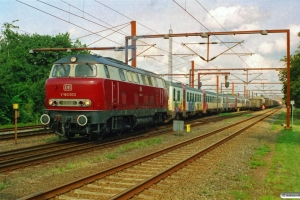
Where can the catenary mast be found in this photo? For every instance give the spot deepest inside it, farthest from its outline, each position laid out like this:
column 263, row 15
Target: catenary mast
column 170, row 68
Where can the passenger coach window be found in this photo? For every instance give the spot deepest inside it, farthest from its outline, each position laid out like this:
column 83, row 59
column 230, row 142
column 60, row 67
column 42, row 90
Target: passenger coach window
column 106, row 71
column 86, row 70
column 178, row 95
column 61, row 71
column 122, row 75
column 174, row 93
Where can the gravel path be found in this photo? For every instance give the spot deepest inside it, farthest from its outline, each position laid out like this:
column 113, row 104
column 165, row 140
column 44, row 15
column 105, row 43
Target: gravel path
column 215, row 176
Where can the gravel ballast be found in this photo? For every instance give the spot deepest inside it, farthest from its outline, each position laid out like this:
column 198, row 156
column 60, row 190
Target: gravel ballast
column 218, row 175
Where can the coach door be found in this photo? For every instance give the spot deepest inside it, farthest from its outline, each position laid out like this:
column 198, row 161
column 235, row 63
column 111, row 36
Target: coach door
column 115, row 94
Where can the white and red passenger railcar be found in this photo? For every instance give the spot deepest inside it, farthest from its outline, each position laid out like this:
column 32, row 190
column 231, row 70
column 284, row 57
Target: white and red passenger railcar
column 93, row 95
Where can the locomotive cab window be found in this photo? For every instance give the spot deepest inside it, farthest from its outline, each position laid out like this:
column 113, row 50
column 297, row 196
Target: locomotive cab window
column 164, row 83
column 106, row 71
column 122, row 75
column 155, row 82
column 61, row 70
column 85, row 70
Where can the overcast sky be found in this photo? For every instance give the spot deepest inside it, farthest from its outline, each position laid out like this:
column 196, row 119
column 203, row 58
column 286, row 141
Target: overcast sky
column 110, row 20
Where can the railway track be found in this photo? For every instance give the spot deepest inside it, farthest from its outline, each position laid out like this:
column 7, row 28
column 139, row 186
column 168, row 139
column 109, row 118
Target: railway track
column 4, row 130
column 33, row 133
column 24, row 157
column 129, row 179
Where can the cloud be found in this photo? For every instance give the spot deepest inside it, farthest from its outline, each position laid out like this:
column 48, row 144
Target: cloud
column 294, row 30
column 272, row 47
column 234, row 17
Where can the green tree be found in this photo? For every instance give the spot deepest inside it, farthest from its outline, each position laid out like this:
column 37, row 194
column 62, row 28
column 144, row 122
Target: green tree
column 294, row 77
column 23, row 75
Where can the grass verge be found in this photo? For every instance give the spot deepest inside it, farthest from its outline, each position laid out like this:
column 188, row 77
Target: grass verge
column 282, row 172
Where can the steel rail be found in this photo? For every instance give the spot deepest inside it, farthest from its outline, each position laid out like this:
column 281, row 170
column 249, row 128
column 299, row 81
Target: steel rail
column 80, row 182
column 44, row 157
column 21, row 128
column 33, row 133
column 20, row 158
column 129, row 193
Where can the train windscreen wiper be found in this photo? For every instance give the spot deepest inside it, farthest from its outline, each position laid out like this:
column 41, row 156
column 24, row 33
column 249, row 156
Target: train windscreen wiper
column 90, row 66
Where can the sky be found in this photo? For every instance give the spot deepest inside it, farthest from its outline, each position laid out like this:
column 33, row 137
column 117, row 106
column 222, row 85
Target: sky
column 99, row 23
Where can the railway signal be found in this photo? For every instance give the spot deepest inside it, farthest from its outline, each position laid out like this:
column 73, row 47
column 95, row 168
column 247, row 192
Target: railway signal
column 16, row 109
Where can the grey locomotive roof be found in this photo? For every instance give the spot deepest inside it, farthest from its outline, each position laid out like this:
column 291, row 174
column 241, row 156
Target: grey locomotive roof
column 88, row 58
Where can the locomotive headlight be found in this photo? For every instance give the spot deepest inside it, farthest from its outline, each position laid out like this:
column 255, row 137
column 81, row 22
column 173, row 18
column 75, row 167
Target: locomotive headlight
column 87, row 103
column 53, row 102
column 50, row 102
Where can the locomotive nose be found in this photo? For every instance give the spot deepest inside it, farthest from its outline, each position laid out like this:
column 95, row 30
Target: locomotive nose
column 81, row 120
column 45, row 119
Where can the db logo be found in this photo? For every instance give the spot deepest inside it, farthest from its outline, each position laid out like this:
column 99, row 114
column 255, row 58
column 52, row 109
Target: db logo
column 67, row 87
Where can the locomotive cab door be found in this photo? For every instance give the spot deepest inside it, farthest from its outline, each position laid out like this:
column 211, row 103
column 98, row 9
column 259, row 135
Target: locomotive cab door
column 115, row 94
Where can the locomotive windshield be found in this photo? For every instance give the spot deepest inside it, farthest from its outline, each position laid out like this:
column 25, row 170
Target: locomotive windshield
column 85, row 70
column 61, row 70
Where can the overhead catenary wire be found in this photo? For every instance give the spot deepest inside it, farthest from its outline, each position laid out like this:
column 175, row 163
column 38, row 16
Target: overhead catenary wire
column 207, row 29
column 223, row 28
column 93, row 33
column 139, row 24
column 65, row 21
column 111, row 28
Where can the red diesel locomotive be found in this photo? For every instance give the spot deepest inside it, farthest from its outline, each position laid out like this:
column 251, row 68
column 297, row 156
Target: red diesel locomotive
column 92, row 95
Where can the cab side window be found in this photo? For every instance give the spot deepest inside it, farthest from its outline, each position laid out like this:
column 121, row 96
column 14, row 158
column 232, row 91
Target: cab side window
column 106, row 71
column 122, row 75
